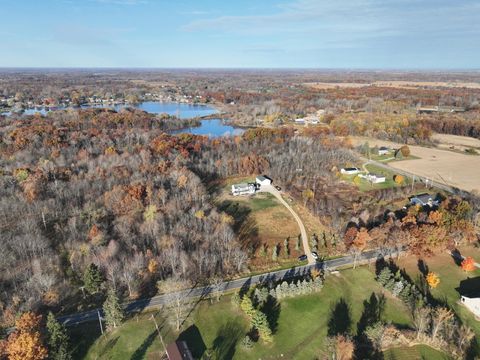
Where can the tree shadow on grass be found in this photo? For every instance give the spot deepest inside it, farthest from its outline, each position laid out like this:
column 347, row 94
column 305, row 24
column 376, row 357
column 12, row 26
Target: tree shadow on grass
column 372, row 311
column 423, row 267
column 340, row 321
column 141, row 351
column 82, row 337
column 271, row 308
column 194, row 339
column 225, row 343
column 244, row 225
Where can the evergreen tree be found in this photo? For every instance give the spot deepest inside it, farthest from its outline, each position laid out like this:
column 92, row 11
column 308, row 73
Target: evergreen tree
column 275, row 252
column 113, row 310
column 384, row 276
column 260, row 322
column 58, row 341
column 92, row 279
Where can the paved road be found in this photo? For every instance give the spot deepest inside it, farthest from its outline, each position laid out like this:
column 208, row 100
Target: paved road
column 306, row 246
column 156, row 301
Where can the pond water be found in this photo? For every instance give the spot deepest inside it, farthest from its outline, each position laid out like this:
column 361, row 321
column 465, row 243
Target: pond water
column 212, row 128
column 182, row 110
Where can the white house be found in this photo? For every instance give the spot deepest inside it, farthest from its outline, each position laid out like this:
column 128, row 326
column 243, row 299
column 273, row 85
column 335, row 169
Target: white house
column 375, row 179
column 243, row 189
column 383, row 151
column 263, row 180
column 472, row 304
column 350, row 171
column 300, row 121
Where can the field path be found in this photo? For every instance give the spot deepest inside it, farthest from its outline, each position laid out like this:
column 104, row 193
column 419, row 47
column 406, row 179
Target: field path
column 303, row 232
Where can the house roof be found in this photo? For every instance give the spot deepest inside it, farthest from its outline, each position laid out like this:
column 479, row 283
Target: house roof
column 263, row 178
column 178, row 350
column 424, row 198
column 242, row 186
column 383, row 148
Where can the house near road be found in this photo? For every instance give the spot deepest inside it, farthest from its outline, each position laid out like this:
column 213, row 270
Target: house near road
column 243, row 189
column 350, row 171
column 424, row 199
column 472, row 304
column 263, row 180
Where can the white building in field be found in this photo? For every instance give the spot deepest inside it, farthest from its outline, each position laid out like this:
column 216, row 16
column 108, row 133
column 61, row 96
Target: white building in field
column 350, row 171
column 374, row 178
column 472, row 304
column 263, row 180
column 243, row 189
column 383, row 150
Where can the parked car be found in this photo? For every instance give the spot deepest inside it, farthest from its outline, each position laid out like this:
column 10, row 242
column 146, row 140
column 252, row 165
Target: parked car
column 314, row 255
column 278, row 188
column 302, row 258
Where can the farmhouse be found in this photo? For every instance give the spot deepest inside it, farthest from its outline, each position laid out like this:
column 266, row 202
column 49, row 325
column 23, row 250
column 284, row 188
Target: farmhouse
column 424, row 199
column 350, row 171
column 375, row 179
column 243, row 189
column 263, row 180
column 472, row 304
column 383, row 150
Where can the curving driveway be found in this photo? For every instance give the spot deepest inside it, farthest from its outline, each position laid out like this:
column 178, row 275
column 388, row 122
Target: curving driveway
column 306, row 247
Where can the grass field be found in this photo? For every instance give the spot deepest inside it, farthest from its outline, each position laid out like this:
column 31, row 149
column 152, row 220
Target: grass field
column 302, row 326
column 260, row 222
column 365, row 185
column 450, row 277
column 418, row 352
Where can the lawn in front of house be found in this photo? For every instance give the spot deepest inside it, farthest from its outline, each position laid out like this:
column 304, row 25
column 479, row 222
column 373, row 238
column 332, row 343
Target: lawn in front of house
column 261, row 222
column 450, row 277
column 302, row 326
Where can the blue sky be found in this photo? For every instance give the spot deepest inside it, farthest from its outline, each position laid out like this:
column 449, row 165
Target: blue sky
column 241, row 33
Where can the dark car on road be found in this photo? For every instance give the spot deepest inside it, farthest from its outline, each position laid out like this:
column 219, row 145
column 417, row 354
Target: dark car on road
column 302, row 257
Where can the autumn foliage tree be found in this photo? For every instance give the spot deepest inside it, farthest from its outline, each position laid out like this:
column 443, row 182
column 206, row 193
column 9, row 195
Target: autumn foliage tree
column 26, row 342
column 433, row 280
column 468, row 264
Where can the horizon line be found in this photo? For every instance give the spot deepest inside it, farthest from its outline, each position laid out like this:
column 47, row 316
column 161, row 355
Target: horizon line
column 373, row 69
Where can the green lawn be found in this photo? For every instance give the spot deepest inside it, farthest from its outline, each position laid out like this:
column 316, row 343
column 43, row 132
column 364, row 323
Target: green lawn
column 450, row 277
column 303, row 324
column 417, row 352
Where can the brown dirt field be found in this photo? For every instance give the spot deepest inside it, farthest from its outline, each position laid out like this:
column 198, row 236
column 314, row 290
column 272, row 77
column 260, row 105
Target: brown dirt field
column 455, row 142
column 455, row 169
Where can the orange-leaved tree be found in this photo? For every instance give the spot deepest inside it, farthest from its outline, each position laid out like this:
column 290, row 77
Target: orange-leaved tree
column 433, row 280
column 25, row 343
column 468, row 264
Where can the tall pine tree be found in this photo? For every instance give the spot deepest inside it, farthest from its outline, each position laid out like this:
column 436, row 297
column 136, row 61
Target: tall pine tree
column 58, row 341
column 113, row 310
column 92, row 279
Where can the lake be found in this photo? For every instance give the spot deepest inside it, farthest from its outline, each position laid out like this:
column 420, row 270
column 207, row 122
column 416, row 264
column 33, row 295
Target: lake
column 212, row 128
column 182, row 110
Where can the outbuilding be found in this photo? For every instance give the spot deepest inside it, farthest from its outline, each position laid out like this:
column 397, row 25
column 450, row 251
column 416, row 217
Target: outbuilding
column 263, row 180
column 350, row 171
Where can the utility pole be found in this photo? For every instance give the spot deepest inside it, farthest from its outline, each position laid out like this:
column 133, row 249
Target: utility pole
column 100, row 321
column 159, row 335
